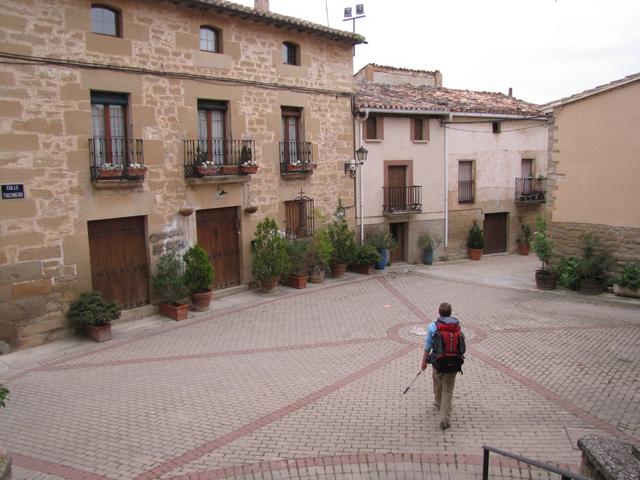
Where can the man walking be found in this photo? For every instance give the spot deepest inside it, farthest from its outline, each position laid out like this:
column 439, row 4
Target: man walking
column 444, row 348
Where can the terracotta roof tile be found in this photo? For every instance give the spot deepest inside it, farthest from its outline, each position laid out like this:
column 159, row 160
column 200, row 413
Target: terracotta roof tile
column 414, row 97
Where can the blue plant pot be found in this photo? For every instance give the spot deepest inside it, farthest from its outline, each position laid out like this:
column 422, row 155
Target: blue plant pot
column 427, row 257
column 384, row 254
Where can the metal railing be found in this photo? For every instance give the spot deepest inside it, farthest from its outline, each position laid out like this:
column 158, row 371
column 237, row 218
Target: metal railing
column 296, row 157
column 116, row 158
column 466, row 191
column 402, row 199
column 216, row 151
column 531, row 190
column 564, row 474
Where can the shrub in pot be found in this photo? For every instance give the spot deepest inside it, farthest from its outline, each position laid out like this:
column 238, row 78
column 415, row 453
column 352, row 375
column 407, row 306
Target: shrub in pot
column 627, row 283
column 168, row 284
column 4, row 393
column 475, row 242
column 524, row 239
column 428, row 244
column 593, row 263
column 92, row 315
column 566, row 269
column 198, row 276
column 383, row 242
column 546, row 279
column 319, row 255
column 365, row 257
column 297, row 251
column 342, row 239
column 270, row 260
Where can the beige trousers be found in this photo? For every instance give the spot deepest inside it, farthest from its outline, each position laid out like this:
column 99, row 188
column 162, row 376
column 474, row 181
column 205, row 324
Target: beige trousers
column 443, row 384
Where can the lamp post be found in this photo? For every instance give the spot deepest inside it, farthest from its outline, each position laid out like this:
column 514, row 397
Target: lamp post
column 352, row 168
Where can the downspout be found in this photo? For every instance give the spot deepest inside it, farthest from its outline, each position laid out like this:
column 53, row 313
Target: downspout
column 446, row 184
column 360, row 136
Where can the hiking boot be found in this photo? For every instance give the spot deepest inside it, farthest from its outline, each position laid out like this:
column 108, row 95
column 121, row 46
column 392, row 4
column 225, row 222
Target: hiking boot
column 444, row 425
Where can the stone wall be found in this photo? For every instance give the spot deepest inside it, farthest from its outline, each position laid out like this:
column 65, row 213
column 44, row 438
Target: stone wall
column 45, row 124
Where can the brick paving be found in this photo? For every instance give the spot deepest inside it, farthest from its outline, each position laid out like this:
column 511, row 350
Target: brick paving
column 308, row 384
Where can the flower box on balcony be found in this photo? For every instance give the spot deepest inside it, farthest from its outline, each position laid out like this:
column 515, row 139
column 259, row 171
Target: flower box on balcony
column 109, row 172
column 294, row 167
column 248, row 169
column 136, row 171
column 229, row 169
column 207, row 170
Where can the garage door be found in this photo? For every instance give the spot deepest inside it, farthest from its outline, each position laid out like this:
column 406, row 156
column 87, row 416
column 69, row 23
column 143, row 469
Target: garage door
column 495, row 232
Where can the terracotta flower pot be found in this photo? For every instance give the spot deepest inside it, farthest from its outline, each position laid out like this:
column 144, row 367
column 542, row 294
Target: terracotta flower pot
column 523, row 248
column 249, row 169
column 229, row 169
column 207, row 171
column 475, row 253
column 178, row 311
column 591, row 286
column 136, row 172
column 546, row 280
column 268, row 285
column 338, row 269
column 109, row 172
column 201, row 301
column 297, row 281
column 99, row 333
column 316, row 275
column 294, row 168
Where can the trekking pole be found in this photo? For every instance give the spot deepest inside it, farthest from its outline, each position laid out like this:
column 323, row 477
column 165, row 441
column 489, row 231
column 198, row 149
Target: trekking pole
column 414, row 379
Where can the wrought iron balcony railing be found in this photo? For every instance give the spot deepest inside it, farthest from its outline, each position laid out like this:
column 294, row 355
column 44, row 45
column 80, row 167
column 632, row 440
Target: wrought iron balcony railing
column 116, row 158
column 296, row 157
column 402, row 199
column 466, row 191
column 531, row 190
column 218, row 156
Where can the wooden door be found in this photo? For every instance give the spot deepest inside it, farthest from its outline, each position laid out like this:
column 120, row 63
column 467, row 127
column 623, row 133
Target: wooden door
column 495, row 232
column 396, row 193
column 218, row 235
column 398, row 232
column 118, row 256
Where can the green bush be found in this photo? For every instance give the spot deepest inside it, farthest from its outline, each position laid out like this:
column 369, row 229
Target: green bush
column 366, row 255
column 629, row 276
column 541, row 243
column 429, row 243
column 297, row 251
column 198, row 271
column 567, row 270
column 168, row 283
column 476, row 237
column 270, row 252
column 320, row 250
column 596, row 258
column 92, row 309
column 381, row 240
column 4, row 393
column 525, row 234
column 342, row 239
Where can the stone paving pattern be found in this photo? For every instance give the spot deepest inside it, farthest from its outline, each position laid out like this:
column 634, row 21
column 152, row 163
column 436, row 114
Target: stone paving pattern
column 308, row 384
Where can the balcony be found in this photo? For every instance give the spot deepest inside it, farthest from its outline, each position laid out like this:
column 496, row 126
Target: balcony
column 402, row 200
column 116, row 159
column 296, row 159
column 531, row 190
column 218, row 157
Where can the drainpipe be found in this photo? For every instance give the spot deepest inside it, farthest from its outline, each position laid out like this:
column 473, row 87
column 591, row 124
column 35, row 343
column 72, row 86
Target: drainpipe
column 361, row 121
column 446, row 185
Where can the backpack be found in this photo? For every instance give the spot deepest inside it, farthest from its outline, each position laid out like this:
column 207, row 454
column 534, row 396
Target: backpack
column 447, row 354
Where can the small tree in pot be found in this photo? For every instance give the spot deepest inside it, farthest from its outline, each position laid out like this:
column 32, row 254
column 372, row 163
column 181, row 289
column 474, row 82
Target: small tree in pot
column 383, row 242
column 542, row 245
column 270, row 260
column 524, row 239
column 366, row 256
column 593, row 264
column 92, row 315
column 198, row 276
column 343, row 241
column 168, row 283
column 428, row 245
column 297, row 251
column 319, row 255
column 627, row 284
column 475, row 242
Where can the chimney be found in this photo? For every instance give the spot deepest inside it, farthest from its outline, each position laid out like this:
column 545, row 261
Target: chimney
column 510, row 92
column 262, row 5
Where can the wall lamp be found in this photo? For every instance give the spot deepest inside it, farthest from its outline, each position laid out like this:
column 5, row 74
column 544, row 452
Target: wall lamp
column 360, row 157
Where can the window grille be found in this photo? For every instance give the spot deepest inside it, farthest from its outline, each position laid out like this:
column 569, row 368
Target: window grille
column 299, row 217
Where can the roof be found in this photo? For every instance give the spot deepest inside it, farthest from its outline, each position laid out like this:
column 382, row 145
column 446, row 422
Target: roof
column 270, row 18
column 438, row 99
column 593, row 91
column 387, row 68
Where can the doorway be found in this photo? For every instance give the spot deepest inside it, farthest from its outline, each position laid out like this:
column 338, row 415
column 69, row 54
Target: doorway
column 218, row 233
column 398, row 232
column 495, row 232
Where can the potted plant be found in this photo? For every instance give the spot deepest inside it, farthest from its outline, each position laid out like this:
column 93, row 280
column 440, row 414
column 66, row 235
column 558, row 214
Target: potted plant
column 207, row 169
column 294, row 166
column 4, row 393
column 542, row 246
column 343, row 241
column 319, row 255
column 109, row 170
column 297, row 251
column 270, row 260
column 566, row 269
column 627, row 284
column 198, row 277
column 593, row 264
column 248, row 166
column 366, row 256
column 92, row 315
column 136, row 170
column 168, row 283
column 229, row 169
column 383, row 242
column 428, row 244
column 524, row 239
column 475, row 242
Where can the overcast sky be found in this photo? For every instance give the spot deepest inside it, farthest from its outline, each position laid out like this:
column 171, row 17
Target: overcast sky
column 544, row 49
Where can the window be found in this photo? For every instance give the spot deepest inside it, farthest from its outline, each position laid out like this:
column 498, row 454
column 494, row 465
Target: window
column 210, row 40
column 212, row 130
column 496, row 126
column 105, row 21
column 419, row 129
column 299, row 217
column 290, row 130
column 108, row 124
column 466, row 183
column 374, row 128
column 527, row 167
column 290, row 53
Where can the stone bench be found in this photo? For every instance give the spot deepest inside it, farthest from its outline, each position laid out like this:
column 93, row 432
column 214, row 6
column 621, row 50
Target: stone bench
column 606, row 458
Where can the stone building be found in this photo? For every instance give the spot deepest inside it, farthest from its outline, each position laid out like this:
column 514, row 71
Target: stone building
column 440, row 159
column 123, row 129
column 594, row 150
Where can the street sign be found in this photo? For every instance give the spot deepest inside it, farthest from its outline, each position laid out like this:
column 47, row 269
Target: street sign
column 15, row 190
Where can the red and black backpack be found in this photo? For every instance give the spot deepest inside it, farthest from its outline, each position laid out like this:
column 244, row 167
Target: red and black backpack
column 447, row 352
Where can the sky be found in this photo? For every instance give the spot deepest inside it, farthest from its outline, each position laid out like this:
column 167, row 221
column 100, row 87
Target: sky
column 544, row 49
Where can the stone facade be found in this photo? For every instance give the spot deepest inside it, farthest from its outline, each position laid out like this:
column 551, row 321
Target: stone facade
column 45, row 124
